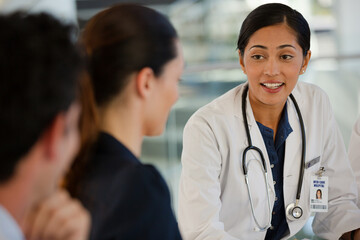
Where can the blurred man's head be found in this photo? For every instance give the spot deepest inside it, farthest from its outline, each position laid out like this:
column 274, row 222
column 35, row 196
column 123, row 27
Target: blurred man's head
column 39, row 68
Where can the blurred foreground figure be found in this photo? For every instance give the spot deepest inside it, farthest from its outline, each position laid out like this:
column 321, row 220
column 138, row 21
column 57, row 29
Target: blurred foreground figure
column 39, row 68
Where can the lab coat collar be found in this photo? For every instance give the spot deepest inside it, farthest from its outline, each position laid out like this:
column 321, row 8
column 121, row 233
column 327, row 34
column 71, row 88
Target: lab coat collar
column 238, row 100
column 297, row 96
column 238, row 106
column 249, row 112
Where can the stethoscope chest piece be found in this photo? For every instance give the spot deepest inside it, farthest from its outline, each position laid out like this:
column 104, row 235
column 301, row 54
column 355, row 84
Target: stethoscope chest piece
column 293, row 212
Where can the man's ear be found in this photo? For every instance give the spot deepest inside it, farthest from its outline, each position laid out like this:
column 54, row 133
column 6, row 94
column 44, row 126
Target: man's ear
column 144, row 81
column 241, row 60
column 53, row 135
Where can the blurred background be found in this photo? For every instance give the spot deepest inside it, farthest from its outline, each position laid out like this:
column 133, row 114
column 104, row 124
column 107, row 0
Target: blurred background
column 208, row 30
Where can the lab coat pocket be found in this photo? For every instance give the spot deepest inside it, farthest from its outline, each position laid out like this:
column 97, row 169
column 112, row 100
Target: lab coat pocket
column 312, row 163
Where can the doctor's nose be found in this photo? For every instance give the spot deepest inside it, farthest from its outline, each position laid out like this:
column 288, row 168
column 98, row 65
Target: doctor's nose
column 271, row 68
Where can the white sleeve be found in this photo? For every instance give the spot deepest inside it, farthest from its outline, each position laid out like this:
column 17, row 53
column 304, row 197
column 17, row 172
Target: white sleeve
column 199, row 193
column 354, row 154
column 343, row 215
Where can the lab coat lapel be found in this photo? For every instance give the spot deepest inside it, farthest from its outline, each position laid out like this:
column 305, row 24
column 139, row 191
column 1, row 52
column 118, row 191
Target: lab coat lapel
column 293, row 147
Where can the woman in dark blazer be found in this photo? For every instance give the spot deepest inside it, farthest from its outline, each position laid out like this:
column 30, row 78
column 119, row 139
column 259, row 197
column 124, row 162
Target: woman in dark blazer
column 135, row 63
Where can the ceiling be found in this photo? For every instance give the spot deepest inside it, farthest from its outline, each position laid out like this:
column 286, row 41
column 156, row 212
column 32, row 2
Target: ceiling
column 99, row 4
column 88, row 8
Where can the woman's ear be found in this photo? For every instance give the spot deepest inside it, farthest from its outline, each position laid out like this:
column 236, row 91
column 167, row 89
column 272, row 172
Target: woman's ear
column 241, row 60
column 305, row 62
column 144, row 81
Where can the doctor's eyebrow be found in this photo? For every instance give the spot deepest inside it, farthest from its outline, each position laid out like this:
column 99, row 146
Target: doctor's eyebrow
column 258, row 46
column 279, row 47
column 285, row 46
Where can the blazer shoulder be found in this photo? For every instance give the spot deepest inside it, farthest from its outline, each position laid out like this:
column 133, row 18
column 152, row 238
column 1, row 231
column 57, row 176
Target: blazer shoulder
column 138, row 206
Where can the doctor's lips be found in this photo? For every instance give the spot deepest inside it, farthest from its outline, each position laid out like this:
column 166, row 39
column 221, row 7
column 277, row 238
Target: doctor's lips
column 272, row 85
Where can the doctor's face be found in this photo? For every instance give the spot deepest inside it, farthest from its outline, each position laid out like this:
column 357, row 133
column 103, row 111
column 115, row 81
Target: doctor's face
column 273, row 61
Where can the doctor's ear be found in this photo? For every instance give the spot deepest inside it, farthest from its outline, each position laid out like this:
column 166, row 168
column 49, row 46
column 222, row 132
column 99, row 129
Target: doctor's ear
column 305, row 62
column 241, row 60
column 144, row 81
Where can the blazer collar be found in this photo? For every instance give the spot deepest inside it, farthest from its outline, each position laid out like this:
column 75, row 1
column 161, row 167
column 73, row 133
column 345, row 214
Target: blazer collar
column 110, row 146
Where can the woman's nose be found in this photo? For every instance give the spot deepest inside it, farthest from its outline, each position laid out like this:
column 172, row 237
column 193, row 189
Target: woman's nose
column 271, row 67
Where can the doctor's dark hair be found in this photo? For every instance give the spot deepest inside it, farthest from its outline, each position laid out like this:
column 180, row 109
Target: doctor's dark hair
column 119, row 41
column 39, row 68
column 273, row 14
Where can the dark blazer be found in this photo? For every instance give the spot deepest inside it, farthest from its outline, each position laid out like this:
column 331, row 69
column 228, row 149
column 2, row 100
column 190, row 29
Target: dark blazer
column 126, row 199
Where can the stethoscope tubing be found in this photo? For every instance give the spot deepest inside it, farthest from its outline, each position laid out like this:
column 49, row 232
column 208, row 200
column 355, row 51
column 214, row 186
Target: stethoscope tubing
column 245, row 169
column 252, row 206
column 251, row 147
column 303, row 152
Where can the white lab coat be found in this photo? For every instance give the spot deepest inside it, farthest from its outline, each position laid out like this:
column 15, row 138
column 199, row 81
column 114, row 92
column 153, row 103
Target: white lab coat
column 354, row 153
column 213, row 198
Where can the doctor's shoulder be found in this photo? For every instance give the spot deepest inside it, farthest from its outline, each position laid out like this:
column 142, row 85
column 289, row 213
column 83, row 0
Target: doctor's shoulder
column 222, row 107
column 312, row 96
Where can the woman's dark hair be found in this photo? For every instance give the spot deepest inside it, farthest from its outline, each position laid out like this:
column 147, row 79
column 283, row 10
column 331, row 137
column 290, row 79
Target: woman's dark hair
column 118, row 41
column 272, row 14
column 122, row 40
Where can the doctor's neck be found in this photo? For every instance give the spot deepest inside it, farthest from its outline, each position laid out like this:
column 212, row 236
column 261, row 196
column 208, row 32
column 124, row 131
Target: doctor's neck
column 266, row 114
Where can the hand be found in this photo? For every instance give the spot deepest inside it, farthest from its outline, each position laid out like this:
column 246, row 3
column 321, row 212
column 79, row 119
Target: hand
column 347, row 236
column 58, row 217
column 357, row 234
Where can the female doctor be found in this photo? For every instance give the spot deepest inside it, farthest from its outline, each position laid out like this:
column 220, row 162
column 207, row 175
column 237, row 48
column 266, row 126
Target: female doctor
column 252, row 157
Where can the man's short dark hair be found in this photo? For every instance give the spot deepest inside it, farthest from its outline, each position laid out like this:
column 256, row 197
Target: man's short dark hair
column 39, row 68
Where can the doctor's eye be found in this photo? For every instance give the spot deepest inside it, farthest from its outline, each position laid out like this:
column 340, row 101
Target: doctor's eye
column 257, row 57
column 286, row 57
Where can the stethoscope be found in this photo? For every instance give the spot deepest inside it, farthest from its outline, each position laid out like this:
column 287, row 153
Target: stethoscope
column 293, row 210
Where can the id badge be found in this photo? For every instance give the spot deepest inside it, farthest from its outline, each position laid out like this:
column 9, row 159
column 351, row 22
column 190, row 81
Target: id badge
column 319, row 194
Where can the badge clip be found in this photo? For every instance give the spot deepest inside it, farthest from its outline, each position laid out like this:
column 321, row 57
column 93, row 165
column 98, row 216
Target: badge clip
column 320, row 172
